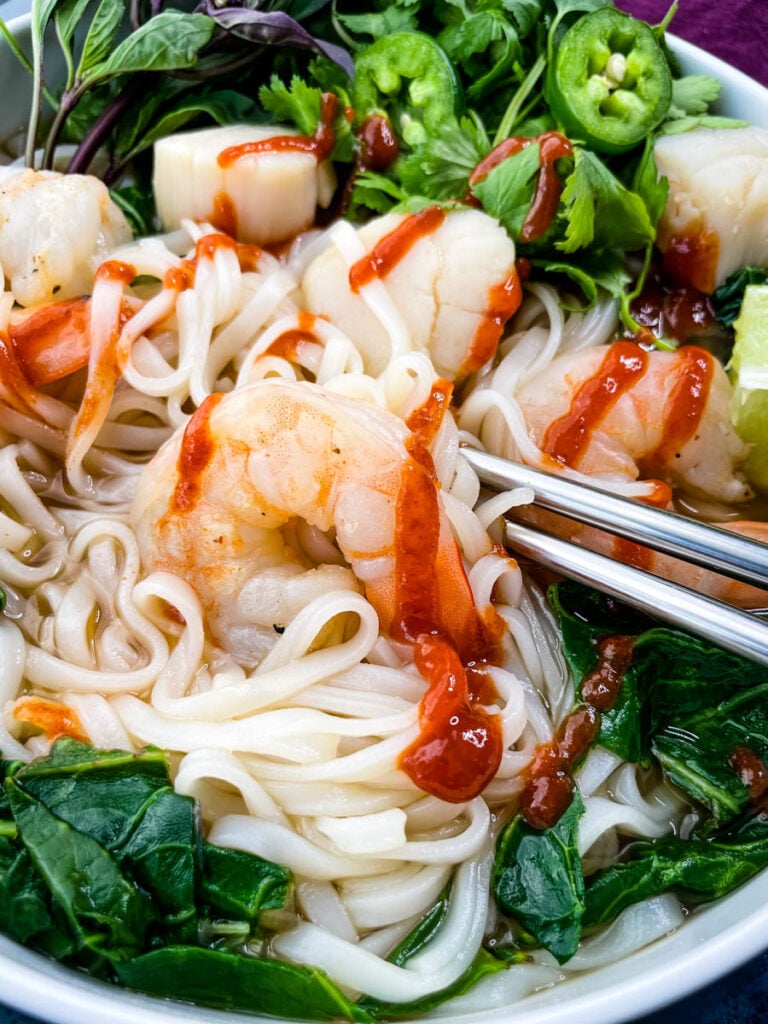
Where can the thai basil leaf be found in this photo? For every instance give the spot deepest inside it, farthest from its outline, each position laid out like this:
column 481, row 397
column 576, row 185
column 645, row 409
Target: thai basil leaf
column 168, row 42
column 40, row 12
column 101, row 36
column 138, row 206
column 273, row 28
column 227, row 981
column 224, row 106
column 67, row 17
column 538, row 880
column 242, row 885
column 695, row 869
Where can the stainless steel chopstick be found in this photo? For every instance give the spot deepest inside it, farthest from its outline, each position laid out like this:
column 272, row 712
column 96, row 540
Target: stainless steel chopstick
column 719, row 550
column 725, row 626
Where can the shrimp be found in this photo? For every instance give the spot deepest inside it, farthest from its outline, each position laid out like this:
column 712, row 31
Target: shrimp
column 447, row 279
column 55, row 229
column 714, row 220
column 217, row 503
column 622, row 412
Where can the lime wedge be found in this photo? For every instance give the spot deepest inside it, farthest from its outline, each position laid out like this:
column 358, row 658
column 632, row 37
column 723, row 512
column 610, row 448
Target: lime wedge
column 749, row 373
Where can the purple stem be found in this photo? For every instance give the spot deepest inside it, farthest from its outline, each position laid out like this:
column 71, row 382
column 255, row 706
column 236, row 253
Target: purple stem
column 101, row 127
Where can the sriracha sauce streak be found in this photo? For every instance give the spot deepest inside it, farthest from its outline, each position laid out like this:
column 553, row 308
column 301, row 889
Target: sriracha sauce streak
column 197, row 450
column 548, row 788
column 459, row 747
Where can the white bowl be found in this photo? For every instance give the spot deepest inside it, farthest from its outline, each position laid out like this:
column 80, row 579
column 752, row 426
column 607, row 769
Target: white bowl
column 715, row 939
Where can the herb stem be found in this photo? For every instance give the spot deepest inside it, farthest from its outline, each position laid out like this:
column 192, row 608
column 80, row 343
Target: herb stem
column 37, row 30
column 512, row 112
column 102, row 126
column 69, row 101
column 18, row 52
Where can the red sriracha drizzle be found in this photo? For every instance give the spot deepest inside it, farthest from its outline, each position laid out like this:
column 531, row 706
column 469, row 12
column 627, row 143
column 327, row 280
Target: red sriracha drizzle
column 459, row 746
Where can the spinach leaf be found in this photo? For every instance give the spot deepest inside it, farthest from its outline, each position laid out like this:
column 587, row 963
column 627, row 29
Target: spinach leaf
column 101, row 861
column 538, row 880
column 227, row 981
column 108, row 914
column 242, row 885
column 101, row 793
column 696, row 869
column 673, row 676
column 162, row 853
column 24, row 909
column 696, row 751
column 727, row 299
column 620, row 725
column 483, row 965
column 422, row 934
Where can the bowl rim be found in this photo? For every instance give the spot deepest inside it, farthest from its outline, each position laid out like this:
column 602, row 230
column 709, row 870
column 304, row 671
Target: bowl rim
column 31, row 983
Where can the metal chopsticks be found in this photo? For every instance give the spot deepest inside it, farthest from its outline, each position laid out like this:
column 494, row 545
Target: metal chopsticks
column 725, row 626
column 715, row 549
column 708, row 546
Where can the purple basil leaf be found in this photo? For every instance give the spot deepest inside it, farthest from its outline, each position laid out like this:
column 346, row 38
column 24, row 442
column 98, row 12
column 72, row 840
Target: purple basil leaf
column 273, row 28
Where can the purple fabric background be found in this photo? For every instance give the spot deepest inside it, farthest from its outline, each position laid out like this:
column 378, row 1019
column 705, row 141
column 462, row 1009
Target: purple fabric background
column 735, row 30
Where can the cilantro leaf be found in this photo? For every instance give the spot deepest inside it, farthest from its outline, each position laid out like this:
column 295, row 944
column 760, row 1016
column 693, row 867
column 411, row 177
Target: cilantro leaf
column 693, row 94
column 646, row 182
column 300, row 104
column 440, row 167
column 375, row 192
column 474, row 35
column 507, row 192
column 684, row 124
column 606, row 270
column 379, row 23
column 297, row 104
column 600, row 211
column 525, row 13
